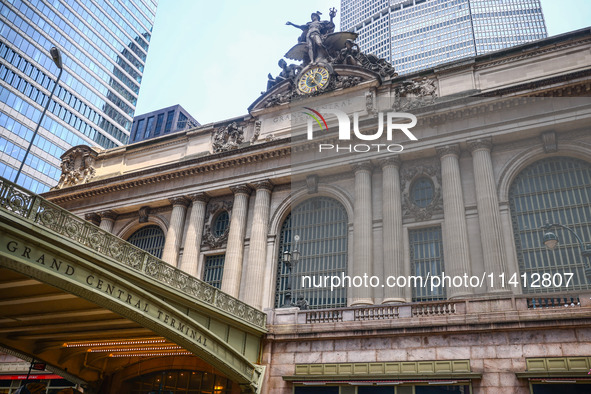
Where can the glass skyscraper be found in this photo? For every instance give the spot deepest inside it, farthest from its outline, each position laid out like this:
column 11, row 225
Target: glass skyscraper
column 104, row 44
column 419, row 34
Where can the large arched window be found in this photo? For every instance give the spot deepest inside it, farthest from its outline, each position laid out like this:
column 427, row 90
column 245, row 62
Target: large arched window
column 321, row 224
column 557, row 190
column 150, row 239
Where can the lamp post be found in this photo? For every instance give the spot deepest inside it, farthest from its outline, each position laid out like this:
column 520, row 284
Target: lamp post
column 551, row 241
column 56, row 56
column 291, row 259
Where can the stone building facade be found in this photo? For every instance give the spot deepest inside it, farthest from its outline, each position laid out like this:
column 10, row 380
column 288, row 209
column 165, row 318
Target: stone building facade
column 503, row 145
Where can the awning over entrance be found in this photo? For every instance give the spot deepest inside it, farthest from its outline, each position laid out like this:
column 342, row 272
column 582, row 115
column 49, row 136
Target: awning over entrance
column 81, row 299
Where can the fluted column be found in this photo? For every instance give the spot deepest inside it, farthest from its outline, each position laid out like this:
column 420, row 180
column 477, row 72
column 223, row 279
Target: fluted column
column 235, row 249
column 192, row 246
column 257, row 253
column 174, row 235
column 362, row 233
column 489, row 215
column 107, row 220
column 457, row 253
column 392, row 227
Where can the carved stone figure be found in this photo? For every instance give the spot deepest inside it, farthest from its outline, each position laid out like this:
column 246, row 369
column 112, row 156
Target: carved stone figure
column 314, row 33
column 227, row 138
column 415, row 93
column 288, row 72
column 77, row 166
column 349, row 54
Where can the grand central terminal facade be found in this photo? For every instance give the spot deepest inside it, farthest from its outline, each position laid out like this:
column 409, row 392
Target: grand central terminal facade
column 296, row 249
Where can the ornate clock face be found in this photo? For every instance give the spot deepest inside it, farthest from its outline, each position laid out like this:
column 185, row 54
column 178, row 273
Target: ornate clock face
column 314, row 79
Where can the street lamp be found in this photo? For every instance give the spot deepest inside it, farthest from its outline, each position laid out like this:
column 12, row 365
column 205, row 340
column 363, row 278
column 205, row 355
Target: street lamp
column 290, row 259
column 56, row 56
column 551, row 241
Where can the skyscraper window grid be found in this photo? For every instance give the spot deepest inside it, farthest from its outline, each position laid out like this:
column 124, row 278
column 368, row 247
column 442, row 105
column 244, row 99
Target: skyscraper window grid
column 104, row 47
column 424, row 33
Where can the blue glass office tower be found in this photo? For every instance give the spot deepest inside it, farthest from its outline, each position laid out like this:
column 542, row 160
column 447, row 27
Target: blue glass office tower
column 420, row 34
column 104, row 44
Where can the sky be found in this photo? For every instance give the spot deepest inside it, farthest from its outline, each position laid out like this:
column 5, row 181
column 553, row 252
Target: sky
column 213, row 57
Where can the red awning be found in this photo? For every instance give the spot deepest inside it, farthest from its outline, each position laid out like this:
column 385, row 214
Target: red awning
column 31, row 377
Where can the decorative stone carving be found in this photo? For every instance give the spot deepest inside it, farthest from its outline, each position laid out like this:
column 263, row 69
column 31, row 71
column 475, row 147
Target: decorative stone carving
column 257, row 131
column 201, row 196
column 411, row 172
column 93, row 218
column 481, row 143
column 213, row 209
column 144, row 213
column 453, row 149
column 363, row 166
column 77, row 166
column 549, row 142
column 181, row 200
column 244, row 189
column 263, row 185
column 414, row 94
column 370, row 104
column 227, row 138
column 110, row 215
column 312, row 184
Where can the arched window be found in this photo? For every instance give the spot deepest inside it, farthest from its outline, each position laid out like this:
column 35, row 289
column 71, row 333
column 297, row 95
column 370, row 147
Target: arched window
column 557, row 190
column 221, row 224
column 321, row 224
column 150, row 239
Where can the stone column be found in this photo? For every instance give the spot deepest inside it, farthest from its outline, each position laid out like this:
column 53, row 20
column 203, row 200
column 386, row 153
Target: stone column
column 257, row 254
column 392, row 228
column 107, row 220
column 456, row 248
column 362, row 233
column 489, row 215
column 174, row 235
column 192, row 246
column 235, row 249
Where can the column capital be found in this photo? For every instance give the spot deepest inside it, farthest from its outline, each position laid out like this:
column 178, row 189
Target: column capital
column 452, row 149
column 390, row 161
column 93, row 218
column 201, row 197
column 264, row 185
column 180, row 200
column 241, row 189
column 112, row 215
column 480, row 143
column 362, row 166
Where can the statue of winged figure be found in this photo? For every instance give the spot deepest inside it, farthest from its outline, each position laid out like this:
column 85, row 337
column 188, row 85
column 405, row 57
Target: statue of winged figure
column 318, row 42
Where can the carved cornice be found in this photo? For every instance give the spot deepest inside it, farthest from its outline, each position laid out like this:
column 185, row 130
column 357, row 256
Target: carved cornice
column 363, row 166
column 180, row 200
column 198, row 197
column 452, row 149
column 110, row 215
column 241, row 189
column 93, row 218
column 264, row 185
column 178, row 169
column 480, row 143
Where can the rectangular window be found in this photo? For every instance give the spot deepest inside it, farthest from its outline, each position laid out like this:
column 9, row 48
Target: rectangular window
column 213, row 270
column 168, row 125
column 149, row 127
column 426, row 257
column 138, row 130
column 159, row 121
column 182, row 121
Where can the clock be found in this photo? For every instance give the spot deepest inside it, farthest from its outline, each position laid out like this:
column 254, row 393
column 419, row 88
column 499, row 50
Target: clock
column 313, row 79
